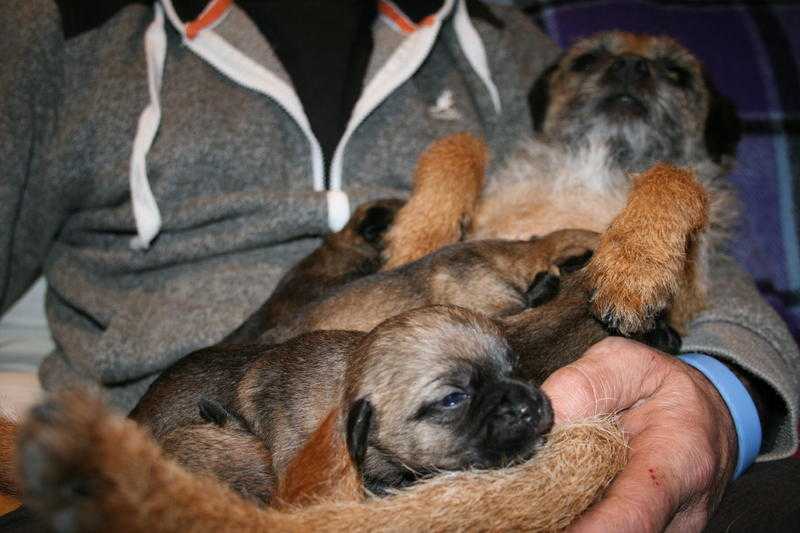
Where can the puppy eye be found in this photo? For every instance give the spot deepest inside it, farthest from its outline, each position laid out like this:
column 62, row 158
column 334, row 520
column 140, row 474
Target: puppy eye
column 676, row 74
column 584, row 62
column 454, row 399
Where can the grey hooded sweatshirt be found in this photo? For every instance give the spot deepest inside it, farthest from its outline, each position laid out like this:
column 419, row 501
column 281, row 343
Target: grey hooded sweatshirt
column 162, row 175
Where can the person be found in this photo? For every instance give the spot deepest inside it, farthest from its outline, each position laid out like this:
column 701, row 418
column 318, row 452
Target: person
column 163, row 163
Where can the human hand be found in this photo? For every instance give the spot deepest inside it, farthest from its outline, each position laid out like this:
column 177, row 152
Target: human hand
column 682, row 438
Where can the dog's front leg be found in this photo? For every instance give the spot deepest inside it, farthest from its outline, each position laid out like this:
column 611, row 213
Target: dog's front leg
column 647, row 259
column 447, row 182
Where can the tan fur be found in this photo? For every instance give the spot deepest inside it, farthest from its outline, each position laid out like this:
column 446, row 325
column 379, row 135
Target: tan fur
column 243, row 461
column 8, row 435
column 434, row 215
column 321, row 470
column 8, row 504
column 487, row 277
column 641, row 262
column 661, row 223
column 80, row 442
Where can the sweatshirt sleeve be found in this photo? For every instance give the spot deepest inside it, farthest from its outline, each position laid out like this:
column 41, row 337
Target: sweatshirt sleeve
column 740, row 328
column 30, row 92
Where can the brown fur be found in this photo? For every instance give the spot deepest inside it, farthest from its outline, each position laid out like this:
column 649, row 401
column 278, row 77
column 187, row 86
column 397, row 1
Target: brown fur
column 91, row 464
column 8, row 504
column 321, row 470
column 460, row 156
column 259, row 416
column 233, row 455
column 556, row 333
column 647, row 255
column 8, row 435
column 490, row 277
column 661, row 221
column 641, row 263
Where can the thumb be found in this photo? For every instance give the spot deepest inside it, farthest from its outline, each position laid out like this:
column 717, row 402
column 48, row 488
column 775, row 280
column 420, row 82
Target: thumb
column 610, row 377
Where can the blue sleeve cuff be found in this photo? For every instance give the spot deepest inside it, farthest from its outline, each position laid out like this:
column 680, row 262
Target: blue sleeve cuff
column 740, row 404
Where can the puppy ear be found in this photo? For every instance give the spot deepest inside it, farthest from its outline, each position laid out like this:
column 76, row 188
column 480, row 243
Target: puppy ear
column 544, row 288
column 321, row 470
column 212, row 411
column 359, row 419
column 539, row 98
column 723, row 128
column 376, row 221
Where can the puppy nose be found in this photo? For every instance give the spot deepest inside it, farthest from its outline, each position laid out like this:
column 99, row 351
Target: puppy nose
column 630, row 68
column 520, row 408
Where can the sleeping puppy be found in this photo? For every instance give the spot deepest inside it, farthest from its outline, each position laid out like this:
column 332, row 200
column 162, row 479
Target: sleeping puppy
column 536, row 288
column 631, row 140
column 425, row 391
column 499, row 278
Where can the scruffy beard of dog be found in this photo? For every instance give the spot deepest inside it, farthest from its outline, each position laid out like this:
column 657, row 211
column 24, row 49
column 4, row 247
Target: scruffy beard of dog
column 631, row 141
column 428, row 390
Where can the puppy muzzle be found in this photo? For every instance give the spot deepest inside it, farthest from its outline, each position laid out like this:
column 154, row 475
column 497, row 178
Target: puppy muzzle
column 521, row 416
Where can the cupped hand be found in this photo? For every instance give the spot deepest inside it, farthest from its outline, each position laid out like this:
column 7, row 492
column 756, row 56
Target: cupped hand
column 681, row 436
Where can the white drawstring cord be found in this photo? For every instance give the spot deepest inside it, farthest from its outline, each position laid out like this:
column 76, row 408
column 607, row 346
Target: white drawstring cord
column 472, row 45
column 145, row 208
column 246, row 72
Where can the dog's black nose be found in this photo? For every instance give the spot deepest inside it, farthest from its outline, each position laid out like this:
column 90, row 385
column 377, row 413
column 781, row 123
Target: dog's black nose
column 629, row 68
column 517, row 416
column 522, row 409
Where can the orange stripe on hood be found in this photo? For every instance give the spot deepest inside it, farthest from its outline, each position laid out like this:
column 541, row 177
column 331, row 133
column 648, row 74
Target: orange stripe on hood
column 209, row 16
column 387, row 9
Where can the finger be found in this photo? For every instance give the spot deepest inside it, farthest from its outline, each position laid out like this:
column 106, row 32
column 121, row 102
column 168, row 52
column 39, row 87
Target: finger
column 666, row 481
column 611, row 376
column 691, row 519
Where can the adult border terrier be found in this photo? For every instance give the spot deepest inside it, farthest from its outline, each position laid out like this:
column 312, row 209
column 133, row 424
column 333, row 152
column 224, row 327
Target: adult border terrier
column 631, row 140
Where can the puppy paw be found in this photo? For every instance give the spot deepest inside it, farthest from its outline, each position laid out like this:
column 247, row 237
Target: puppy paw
column 62, row 447
column 447, row 182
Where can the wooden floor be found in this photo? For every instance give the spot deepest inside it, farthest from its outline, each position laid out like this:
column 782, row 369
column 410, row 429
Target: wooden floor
column 7, row 504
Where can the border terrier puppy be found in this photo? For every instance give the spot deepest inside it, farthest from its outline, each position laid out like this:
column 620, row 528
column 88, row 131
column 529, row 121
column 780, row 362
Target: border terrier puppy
column 535, row 288
column 499, row 278
column 425, row 391
column 631, row 140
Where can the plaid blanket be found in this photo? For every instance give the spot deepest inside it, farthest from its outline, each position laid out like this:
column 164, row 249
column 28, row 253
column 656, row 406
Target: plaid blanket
column 752, row 51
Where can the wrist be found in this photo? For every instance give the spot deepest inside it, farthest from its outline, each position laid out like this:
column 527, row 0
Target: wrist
column 741, row 406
